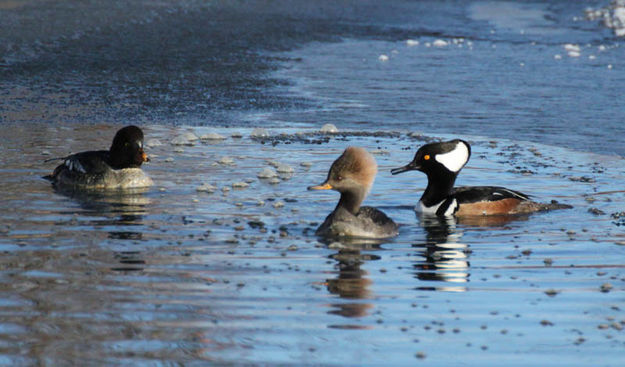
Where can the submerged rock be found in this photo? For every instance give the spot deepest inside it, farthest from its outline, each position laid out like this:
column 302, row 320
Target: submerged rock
column 329, row 128
column 153, row 143
column 212, row 136
column 226, row 161
column 184, row 139
column 273, row 163
column 206, row 187
column 259, row 132
column 284, row 168
column 606, row 287
column 267, row 173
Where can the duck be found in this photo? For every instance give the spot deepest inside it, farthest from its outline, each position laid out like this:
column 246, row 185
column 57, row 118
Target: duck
column 352, row 175
column 442, row 162
column 116, row 168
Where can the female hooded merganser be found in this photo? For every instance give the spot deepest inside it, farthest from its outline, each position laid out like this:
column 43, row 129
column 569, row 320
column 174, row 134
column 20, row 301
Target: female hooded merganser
column 442, row 162
column 352, row 175
column 118, row 167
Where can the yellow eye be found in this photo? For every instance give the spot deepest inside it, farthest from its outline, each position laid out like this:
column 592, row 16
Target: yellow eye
column 426, row 157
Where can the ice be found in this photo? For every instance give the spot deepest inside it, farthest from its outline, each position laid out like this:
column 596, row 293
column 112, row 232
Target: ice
column 411, row 43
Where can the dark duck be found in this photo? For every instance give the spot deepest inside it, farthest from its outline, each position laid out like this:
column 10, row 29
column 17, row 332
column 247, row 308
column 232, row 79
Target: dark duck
column 116, row 168
column 352, row 175
column 441, row 162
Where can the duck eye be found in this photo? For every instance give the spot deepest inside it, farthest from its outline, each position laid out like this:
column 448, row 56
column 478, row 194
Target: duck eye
column 339, row 178
column 426, row 157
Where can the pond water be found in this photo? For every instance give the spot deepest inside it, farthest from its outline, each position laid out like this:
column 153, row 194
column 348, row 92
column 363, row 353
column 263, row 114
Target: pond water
column 173, row 275
column 215, row 266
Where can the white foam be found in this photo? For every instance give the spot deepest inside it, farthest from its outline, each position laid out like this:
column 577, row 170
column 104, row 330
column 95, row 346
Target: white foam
column 411, row 43
column 456, row 159
column 440, row 43
column 383, row 58
column 571, row 47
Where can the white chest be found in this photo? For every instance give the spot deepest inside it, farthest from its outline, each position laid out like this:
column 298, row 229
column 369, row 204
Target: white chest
column 431, row 210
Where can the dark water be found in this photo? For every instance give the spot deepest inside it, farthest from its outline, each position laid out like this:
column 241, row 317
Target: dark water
column 176, row 276
column 214, row 63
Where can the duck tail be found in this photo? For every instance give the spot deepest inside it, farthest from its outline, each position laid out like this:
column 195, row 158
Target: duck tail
column 555, row 205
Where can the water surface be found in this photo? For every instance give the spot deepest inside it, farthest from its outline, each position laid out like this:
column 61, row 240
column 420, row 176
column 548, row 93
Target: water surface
column 172, row 275
column 175, row 276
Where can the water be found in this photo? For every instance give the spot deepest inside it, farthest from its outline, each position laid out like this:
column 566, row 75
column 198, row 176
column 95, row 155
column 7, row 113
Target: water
column 175, row 276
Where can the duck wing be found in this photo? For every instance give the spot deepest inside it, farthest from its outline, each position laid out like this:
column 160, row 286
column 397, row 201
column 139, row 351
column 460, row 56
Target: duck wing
column 474, row 194
column 91, row 162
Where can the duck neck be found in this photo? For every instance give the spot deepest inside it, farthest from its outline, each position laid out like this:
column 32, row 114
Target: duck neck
column 115, row 160
column 440, row 186
column 351, row 200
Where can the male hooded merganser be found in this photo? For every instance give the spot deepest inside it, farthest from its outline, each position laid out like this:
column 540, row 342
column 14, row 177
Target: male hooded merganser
column 352, row 175
column 118, row 167
column 442, row 162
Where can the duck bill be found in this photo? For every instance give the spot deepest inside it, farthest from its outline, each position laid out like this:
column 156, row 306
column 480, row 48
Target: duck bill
column 144, row 157
column 323, row 186
column 408, row 167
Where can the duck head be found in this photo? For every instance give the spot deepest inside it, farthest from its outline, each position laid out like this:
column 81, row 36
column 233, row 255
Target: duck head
column 127, row 148
column 352, row 174
column 439, row 158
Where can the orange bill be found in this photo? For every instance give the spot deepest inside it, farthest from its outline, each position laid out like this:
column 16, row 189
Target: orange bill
column 323, row 186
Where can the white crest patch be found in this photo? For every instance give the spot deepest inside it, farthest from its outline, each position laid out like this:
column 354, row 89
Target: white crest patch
column 456, row 159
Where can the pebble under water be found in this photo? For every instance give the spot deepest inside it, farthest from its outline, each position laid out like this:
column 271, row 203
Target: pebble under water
column 216, row 266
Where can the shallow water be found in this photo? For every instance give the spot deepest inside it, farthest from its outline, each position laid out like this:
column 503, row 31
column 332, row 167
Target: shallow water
column 176, row 276
column 172, row 275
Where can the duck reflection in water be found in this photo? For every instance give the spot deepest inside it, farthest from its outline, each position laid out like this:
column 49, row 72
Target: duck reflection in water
column 445, row 258
column 352, row 282
column 120, row 210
